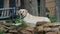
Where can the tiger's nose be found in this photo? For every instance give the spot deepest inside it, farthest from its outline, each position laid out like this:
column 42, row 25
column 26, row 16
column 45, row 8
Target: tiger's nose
column 21, row 13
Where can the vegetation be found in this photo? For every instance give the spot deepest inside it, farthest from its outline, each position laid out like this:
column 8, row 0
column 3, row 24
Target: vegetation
column 3, row 32
column 18, row 20
column 53, row 19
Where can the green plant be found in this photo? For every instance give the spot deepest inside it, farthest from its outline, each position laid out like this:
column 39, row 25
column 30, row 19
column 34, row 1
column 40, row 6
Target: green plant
column 18, row 20
column 7, row 21
column 23, row 25
column 53, row 19
column 47, row 12
column 3, row 32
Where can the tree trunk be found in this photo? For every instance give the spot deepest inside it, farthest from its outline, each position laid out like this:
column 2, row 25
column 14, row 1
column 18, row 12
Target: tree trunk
column 22, row 4
column 58, row 10
column 32, row 6
column 42, row 8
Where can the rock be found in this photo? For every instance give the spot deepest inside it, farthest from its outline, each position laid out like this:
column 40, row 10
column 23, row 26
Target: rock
column 7, row 24
column 48, row 24
column 29, row 28
column 12, row 31
column 41, row 32
column 8, row 33
column 5, row 27
column 39, row 28
column 51, row 33
column 25, row 32
column 59, row 32
column 2, row 28
column 40, row 23
column 55, row 29
column 46, row 29
column 44, row 24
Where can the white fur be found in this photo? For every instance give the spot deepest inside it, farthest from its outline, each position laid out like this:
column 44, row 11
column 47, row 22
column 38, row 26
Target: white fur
column 32, row 20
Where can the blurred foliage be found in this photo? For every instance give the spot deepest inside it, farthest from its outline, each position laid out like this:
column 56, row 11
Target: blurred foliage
column 8, row 21
column 53, row 19
column 47, row 12
column 3, row 32
column 23, row 25
column 18, row 20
